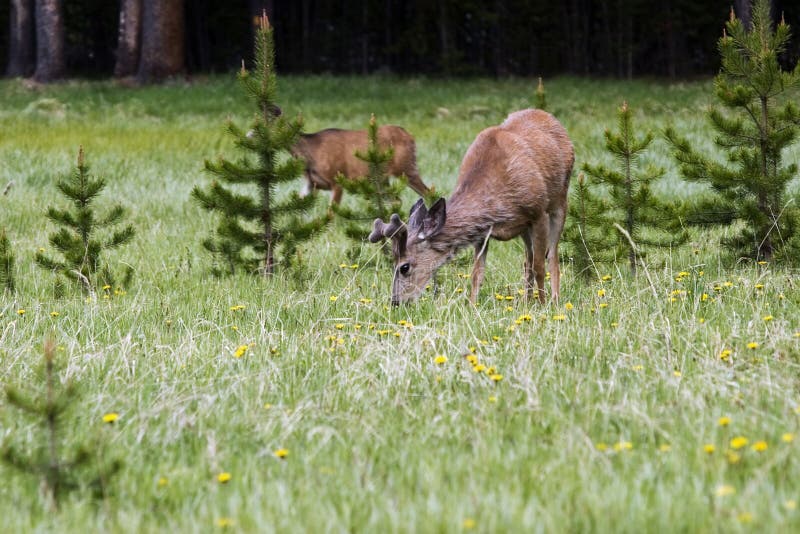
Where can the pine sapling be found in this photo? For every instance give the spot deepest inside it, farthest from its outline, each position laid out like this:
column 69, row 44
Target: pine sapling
column 252, row 228
column 6, row 262
column 78, row 240
column 589, row 230
column 647, row 221
column 761, row 123
column 541, row 96
column 378, row 196
column 59, row 470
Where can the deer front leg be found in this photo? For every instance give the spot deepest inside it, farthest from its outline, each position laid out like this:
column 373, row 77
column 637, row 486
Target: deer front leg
column 539, row 229
column 336, row 194
column 477, row 269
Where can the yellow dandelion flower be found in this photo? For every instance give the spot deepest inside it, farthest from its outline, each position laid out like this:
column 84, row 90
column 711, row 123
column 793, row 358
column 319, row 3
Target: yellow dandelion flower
column 709, row 448
column 339, row 326
column 745, row 517
column 334, row 298
column 508, row 308
column 790, row 504
column 752, row 345
column 498, row 296
column 704, row 297
column 224, row 477
column 759, row 286
column 637, row 367
column 267, row 405
column 54, row 314
column 235, row 328
column 225, row 522
column 664, row 447
column 614, row 324
column 468, row 523
column 739, row 442
column 767, row 318
column 527, row 317
column 760, row 446
column 601, row 446
column 240, row 350
column 606, row 277
column 20, row 312
column 440, row 359
column 478, row 368
column 162, row 481
column 725, row 354
column 623, row 446
column 559, row 317
column 568, row 306
column 496, row 338
column 354, row 266
column 728, row 284
column 733, row 457
column 723, row 490
column 787, row 437
column 701, row 320
column 603, row 305
column 110, row 417
column 724, row 421
column 601, row 292
column 281, row 453
column 677, row 374
column 106, row 287
column 496, row 377
column 492, row 399
column 471, row 358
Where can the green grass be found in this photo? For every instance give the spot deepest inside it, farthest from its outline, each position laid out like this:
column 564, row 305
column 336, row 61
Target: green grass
column 380, row 437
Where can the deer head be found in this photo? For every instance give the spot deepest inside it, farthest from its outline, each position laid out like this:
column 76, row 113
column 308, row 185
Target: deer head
column 414, row 247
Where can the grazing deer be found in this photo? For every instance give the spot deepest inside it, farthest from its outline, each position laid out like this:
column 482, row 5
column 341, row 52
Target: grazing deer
column 332, row 151
column 513, row 182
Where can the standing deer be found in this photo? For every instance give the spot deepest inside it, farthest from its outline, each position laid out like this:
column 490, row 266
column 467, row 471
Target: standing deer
column 332, row 151
column 513, row 182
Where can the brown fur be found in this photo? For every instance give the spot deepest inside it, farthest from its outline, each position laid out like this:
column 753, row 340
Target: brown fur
column 513, row 182
column 332, row 151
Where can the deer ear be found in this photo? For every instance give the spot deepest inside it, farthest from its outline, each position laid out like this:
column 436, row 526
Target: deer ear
column 416, row 217
column 435, row 219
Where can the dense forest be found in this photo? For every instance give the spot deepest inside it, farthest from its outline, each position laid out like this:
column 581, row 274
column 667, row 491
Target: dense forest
column 153, row 39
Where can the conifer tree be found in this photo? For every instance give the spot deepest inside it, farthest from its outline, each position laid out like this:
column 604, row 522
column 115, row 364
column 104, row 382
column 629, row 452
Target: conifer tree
column 760, row 124
column 378, row 196
column 541, row 96
column 77, row 240
column 251, row 229
column 6, row 262
column 589, row 231
column 647, row 220
column 60, row 470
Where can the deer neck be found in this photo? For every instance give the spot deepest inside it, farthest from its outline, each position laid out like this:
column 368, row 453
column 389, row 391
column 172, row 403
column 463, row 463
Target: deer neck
column 463, row 228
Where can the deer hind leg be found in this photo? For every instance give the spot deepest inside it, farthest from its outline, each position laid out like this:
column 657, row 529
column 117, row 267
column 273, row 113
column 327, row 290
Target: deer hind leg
column 540, row 233
column 477, row 270
column 527, row 270
column 556, row 226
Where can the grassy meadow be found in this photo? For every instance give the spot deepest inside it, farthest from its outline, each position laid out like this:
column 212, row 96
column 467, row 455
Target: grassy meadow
column 618, row 410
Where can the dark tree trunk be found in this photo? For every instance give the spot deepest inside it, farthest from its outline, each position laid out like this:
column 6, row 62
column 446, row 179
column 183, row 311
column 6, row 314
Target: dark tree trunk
column 129, row 38
column 742, row 10
column 163, row 34
column 50, row 58
column 21, row 51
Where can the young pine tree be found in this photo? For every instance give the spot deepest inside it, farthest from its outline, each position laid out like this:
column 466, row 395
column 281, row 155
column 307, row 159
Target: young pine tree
column 378, row 196
column 60, row 471
column 541, row 96
column 760, row 124
column 6, row 262
column 646, row 220
column 77, row 240
column 590, row 230
column 251, row 229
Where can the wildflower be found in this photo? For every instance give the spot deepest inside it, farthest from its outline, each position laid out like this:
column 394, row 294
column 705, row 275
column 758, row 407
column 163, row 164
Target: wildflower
column 354, row 266
column 559, row 317
column 787, row 438
column 334, row 298
column 728, row 284
column 110, row 417
column 343, row 266
column 606, row 278
column 724, row 421
column 468, row 523
column 601, row 292
column 723, row 490
column 725, row 354
column 745, row 517
column 281, row 453
column 709, row 448
column 601, row 447
column 365, row 301
column 704, row 297
column 237, row 307
column 701, row 320
column 240, row 350
column 603, row 305
column 492, row 399
column 225, row 522
column 440, row 359
column 568, row 306
column 106, row 287
column 767, row 318
column 234, row 328
column 20, row 312
column 733, row 457
column 752, row 345
column 339, row 326
column 162, row 482
column 478, row 368
column 760, row 446
column 676, row 373
column 526, row 317
column 54, row 314
column 717, row 287
column 496, row 338
column 614, row 324
column 496, row 377
column 759, row 286
column 637, row 367
column 790, row 504
column 664, row 447
column 762, row 262
column 623, row 446
column 738, row 442
column 224, row 477
column 471, row 358
column 267, row 406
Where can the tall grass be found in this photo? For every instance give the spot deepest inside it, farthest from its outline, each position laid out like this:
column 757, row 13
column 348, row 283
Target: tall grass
column 598, row 423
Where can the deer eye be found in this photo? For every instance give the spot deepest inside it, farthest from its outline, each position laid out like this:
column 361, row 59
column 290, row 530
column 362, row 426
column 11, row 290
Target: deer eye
column 404, row 269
